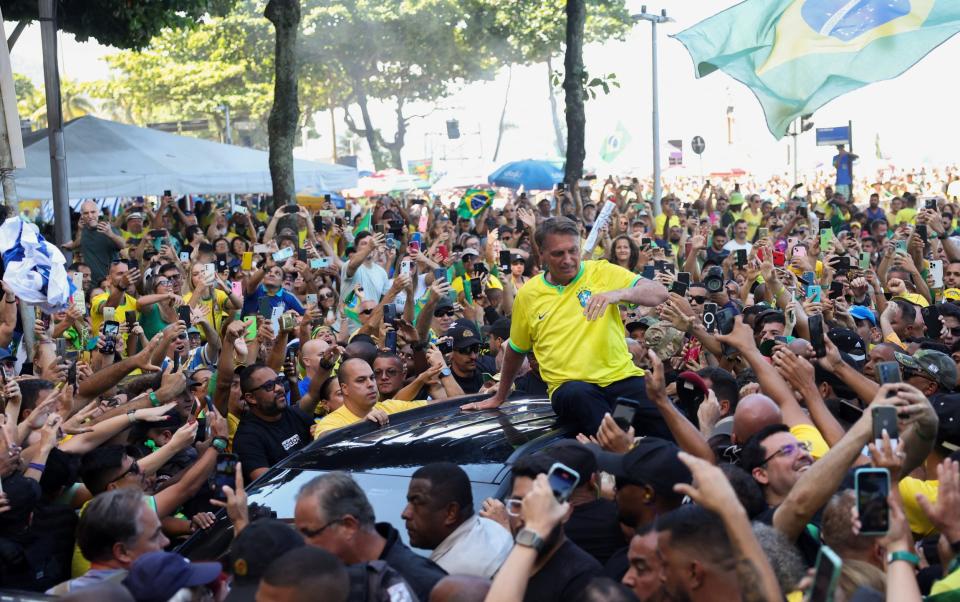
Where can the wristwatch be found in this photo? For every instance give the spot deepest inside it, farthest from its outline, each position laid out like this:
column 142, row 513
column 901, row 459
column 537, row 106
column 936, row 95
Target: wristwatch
column 528, row 538
column 220, row 443
column 905, row 556
column 446, row 371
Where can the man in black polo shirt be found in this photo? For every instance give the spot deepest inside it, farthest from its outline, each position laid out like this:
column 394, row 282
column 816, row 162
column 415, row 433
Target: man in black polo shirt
column 467, row 364
column 271, row 429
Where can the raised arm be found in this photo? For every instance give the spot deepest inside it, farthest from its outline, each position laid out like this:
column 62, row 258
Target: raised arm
column 684, row 432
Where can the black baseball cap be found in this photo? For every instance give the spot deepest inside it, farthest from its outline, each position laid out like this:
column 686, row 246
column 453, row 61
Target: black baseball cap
column 500, row 328
column 653, row 461
column 849, row 342
column 575, row 455
column 254, row 550
column 464, row 333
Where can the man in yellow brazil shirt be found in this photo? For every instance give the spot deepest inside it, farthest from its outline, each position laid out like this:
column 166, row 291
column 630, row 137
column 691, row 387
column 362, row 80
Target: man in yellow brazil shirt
column 575, row 302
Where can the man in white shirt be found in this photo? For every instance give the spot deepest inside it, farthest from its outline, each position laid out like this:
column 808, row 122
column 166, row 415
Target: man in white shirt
column 739, row 240
column 439, row 516
column 362, row 270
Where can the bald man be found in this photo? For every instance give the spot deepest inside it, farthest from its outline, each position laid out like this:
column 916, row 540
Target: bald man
column 360, row 394
column 460, row 588
column 99, row 241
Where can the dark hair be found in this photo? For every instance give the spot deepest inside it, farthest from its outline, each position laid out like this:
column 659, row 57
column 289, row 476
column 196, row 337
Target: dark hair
column 448, row 483
column 753, row 453
column 310, row 569
column 748, row 490
column 168, row 266
column 555, row 225
column 360, row 236
column 246, row 375
column 325, row 391
column 30, row 392
column 720, row 232
column 634, row 252
column 109, row 518
column 946, row 309
column 724, row 385
column 700, row 531
column 530, row 466
column 96, row 465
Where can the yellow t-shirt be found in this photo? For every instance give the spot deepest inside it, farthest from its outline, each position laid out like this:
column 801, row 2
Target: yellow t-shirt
column 659, row 221
column 96, row 309
column 908, row 215
column 753, row 221
column 492, row 282
column 909, row 488
column 233, row 421
column 547, row 318
column 342, row 416
column 810, row 434
column 217, row 303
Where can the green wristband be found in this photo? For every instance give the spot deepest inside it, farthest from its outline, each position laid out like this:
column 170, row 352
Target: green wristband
column 905, row 556
column 154, row 400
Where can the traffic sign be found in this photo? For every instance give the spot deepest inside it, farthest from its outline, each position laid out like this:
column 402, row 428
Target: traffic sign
column 697, row 144
column 833, row 136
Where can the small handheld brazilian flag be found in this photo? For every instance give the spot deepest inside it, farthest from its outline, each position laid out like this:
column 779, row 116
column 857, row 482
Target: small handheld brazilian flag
column 474, row 201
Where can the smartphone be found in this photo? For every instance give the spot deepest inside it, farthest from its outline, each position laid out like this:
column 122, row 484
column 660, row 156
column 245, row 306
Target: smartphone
column 288, row 209
column 445, row 345
column 476, row 287
column 183, row 314
column 710, row 317
column 225, row 473
column 741, row 257
column 930, row 203
column 683, row 277
column 319, row 262
column 563, row 480
column 624, row 412
column 236, row 287
column 110, row 331
column 888, row 372
column 251, row 332
column 884, row 419
column 264, row 308
column 779, row 259
column 826, row 575
column 442, row 250
column 679, row 287
column 61, row 345
column 184, row 257
column 865, row 260
column 725, row 320
column 649, row 272
column 871, row 487
column 283, row 254
column 440, row 274
column 901, row 246
column 262, row 249
column 802, row 211
column 302, row 254
column 763, row 233
column 318, row 222
column 814, row 293
column 646, row 242
column 799, row 251
column 390, row 340
column 167, row 193
column 405, row 266
column 825, row 225
column 809, row 277
column 209, row 272
column 158, row 233
column 815, row 324
column 505, row 261
column 826, row 235
column 109, row 313
column 133, row 264
column 931, row 320
column 389, row 313
column 246, row 261
column 936, row 272
column 836, row 290
column 415, row 241
column 311, row 299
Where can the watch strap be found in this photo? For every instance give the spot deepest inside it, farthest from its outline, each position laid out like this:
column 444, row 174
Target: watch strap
column 529, row 539
column 220, row 443
column 905, row 556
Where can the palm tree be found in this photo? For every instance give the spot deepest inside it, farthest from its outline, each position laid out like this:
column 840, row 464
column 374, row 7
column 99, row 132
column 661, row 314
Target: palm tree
column 72, row 96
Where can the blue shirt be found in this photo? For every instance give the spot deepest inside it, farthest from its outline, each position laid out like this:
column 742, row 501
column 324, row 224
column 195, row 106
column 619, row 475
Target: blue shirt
column 251, row 303
column 844, row 167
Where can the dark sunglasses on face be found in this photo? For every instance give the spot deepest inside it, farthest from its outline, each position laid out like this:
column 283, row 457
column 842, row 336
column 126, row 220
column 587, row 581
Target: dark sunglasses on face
column 270, row 384
column 443, row 313
column 134, row 469
column 699, row 299
column 469, row 350
column 955, row 331
column 366, row 312
column 324, row 295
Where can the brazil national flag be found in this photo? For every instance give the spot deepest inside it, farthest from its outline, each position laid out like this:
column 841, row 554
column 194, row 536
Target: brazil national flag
column 474, row 201
column 798, row 55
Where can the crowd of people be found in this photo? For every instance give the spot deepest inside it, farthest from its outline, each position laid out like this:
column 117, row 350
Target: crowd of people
column 764, row 391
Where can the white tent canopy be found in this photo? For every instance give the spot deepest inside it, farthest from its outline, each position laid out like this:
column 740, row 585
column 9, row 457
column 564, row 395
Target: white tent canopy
column 109, row 159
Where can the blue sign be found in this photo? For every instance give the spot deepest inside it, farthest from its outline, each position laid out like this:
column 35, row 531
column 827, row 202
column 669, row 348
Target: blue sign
column 833, row 136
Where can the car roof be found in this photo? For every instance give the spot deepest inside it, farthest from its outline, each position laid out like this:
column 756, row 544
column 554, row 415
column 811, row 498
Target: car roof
column 382, row 460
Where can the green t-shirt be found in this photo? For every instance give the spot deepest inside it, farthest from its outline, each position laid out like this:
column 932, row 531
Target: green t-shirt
column 151, row 321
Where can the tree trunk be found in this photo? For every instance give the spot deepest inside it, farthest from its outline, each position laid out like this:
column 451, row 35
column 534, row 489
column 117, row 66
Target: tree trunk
column 560, row 140
column 503, row 112
column 573, row 92
column 285, row 112
column 368, row 132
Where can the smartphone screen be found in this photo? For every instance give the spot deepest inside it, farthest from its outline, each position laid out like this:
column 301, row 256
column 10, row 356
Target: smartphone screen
column 648, row 272
column 264, row 307
column 741, row 257
column 815, row 324
column 224, row 474
column 872, row 486
column 183, row 313
column 683, row 277
column 678, row 287
column 563, row 480
column 826, row 574
column 505, row 261
column 624, row 412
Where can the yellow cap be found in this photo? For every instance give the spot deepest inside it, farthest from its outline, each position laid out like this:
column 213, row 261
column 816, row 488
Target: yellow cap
column 914, row 298
column 953, row 294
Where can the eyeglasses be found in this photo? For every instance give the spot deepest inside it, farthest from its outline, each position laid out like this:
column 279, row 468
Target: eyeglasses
column 270, row 384
column 366, row 312
column 391, row 372
column 172, row 276
column 699, row 299
column 472, row 349
column 955, row 331
column 134, row 469
column 788, row 450
column 311, row 533
column 443, row 313
column 163, row 283
column 513, row 505
column 324, row 295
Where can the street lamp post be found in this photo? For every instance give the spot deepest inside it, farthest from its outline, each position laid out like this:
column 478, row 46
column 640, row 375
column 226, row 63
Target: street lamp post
column 655, row 19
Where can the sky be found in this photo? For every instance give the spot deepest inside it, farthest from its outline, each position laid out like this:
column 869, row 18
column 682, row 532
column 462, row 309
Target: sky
column 914, row 114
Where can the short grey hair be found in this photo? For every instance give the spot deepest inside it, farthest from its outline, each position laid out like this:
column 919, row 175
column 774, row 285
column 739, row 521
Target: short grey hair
column 112, row 517
column 337, row 495
column 785, row 559
column 556, row 225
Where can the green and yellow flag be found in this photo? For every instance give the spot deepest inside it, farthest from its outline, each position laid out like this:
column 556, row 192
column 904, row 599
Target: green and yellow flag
column 798, row 55
column 474, row 201
column 363, row 223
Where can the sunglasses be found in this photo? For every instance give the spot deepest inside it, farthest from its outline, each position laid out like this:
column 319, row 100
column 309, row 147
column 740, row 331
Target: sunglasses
column 163, row 283
column 955, row 331
column 270, row 384
column 325, row 296
column 311, row 533
column 443, row 313
column 366, row 312
column 788, row 450
column 469, row 350
column 699, row 299
column 134, row 469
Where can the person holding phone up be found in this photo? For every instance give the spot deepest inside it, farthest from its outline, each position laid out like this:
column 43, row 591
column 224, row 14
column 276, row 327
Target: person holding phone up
column 576, row 301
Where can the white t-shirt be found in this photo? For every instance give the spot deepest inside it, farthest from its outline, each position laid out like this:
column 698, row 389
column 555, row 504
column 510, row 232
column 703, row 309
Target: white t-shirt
column 372, row 278
column 732, row 245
